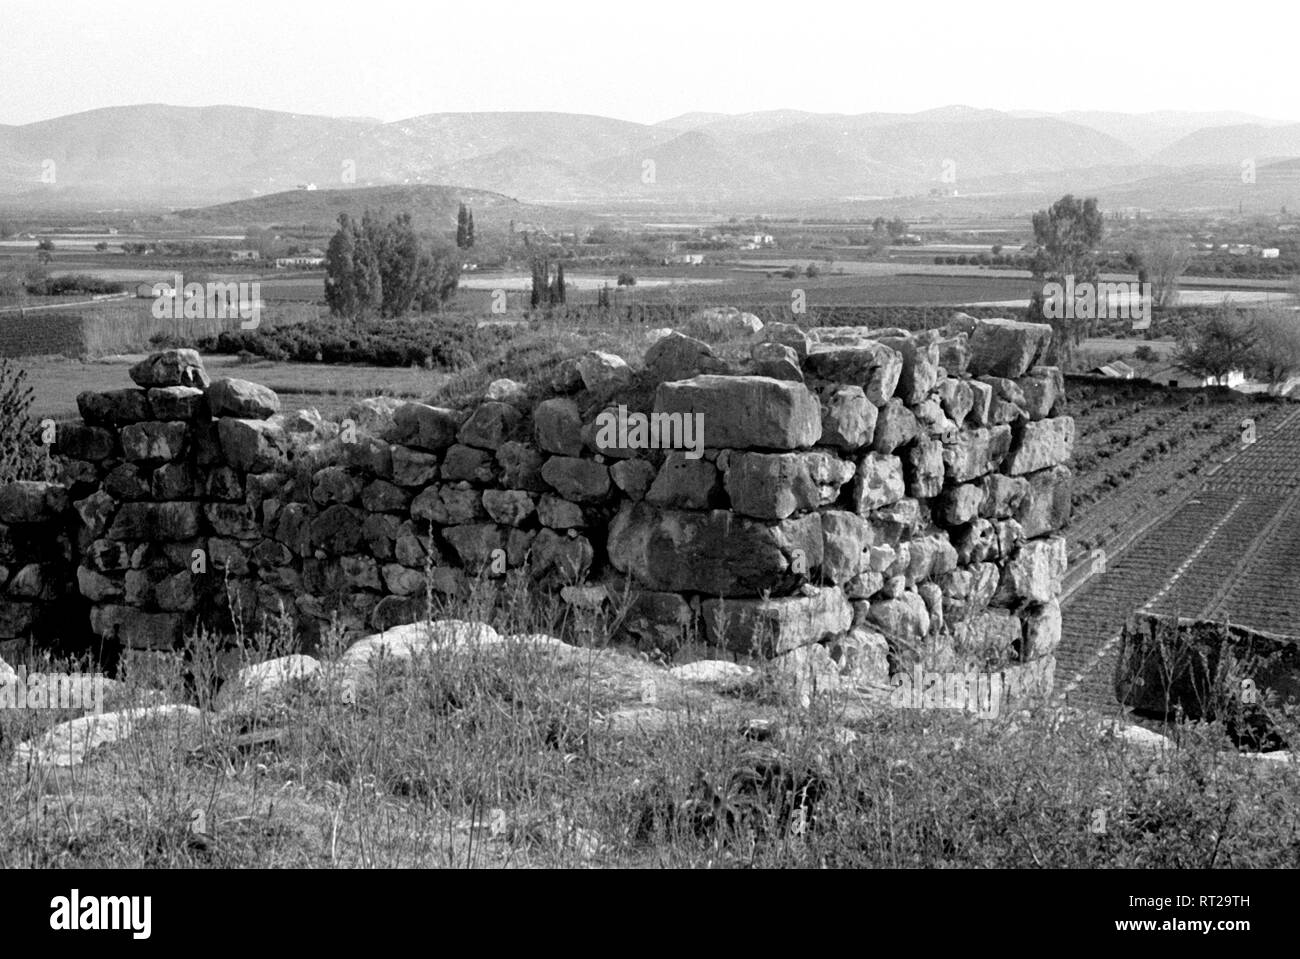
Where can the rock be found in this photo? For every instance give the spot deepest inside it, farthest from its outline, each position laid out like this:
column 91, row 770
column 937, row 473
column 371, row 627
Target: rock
column 374, row 414
column 788, row 334
column 676, row 356
column 895, row 427
column 920, row 370
column 177, row 403
column 136, row 629
column 845, row 538
column 810, row 671
column 654, row 620
column 905, row 622
column 579, row 480
column 242, row 399
column 170, row 368
column 521, row 467
column 1044, row 390
column 862, row 656
column 381, row 496
column 82, row 442
column 413, row 467
column 1046, row 506
column 560, row 558
column 923, row 468
column 745, row 412
column 147, row 522
column 981, row 402
column 1007, row 347
column 491, row 424
column 685, row 483
column 633, row 477
column 727, row 322
column 1041, row 444
column 468, row 464
column 334, row 484
column 716, row 552
column 113, row 407
column 871, row 365
column 603, row 373
column 402, row 581
column 509, row 507
column 253, row 446
column 156, row 442
column 446, row 506
column 1003, row 495
column 1034, row 574
column 70, row 743
column 954, row 353
column 777, row 361
column 776, row 485
column 988, row 636
column 961, row 504
column 975, row 453
column 265, row 683
column 477, row 544
column 430, row 428
column 556, row 513
column 879, row 482
column 507, row 391
column 773, row 626
column 957, row 400
column 848, row 418
column 1042, row 630
column 557, row 425
column 337, row 530
column 711, row 672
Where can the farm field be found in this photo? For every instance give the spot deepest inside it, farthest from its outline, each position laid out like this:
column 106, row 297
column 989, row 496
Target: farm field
column 1139, row 451
column 1228, row 552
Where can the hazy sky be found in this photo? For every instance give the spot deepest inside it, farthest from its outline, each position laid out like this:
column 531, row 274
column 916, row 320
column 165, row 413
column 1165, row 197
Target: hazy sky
column 646, row 60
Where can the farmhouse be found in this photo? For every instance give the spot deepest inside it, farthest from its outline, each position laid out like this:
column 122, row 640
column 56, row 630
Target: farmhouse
column 311, row 258
column 243, row 254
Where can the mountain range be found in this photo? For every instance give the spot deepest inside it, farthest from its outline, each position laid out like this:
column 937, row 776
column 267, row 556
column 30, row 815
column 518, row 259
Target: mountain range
column 159, row 156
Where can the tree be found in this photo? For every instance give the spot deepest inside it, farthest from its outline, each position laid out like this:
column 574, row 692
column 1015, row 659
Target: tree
column 1275, row 356
column 462, row 227
column 1066, row 235
column 101, row 246
column 469, row 229
column 386, row 267
column 813, row 271
column 1163, row 259
column 626, row 279
column 559, row 290
column 45, row 245
column 1216, row 346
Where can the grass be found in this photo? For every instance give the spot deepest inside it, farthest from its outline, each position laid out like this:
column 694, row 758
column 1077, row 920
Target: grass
column 515, row 756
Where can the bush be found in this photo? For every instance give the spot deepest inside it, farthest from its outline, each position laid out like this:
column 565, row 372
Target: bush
column 626, row 279
column 21, row 454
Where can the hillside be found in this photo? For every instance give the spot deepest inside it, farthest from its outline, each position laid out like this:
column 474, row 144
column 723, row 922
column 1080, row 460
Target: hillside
column 163, row 156
column 433, row 209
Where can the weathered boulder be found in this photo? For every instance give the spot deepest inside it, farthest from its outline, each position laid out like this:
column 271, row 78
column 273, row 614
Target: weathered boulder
column 879, row 482
column 848, row 418
column 685, row 483
column 577, row 479
column 253, row 446
column 1041, row 444
column 603, row 373
column 715, row 552
column 242, row 399
column 776, row 485
column 170, row 368
column 773, row 626
column 113, row 407
column 745, row 412
column 1007, row 347
column 430, row 428
column 557, row 425
column 490, row 425
column 976, row 452
column 871, row 365
column 676, row 356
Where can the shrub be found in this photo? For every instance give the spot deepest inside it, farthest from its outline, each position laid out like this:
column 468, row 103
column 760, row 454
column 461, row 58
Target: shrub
column 21, row 455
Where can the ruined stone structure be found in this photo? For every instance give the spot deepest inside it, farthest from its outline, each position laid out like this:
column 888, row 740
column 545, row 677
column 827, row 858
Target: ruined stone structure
column 855, row 503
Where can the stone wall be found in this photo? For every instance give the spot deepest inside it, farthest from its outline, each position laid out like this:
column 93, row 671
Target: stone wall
column 861, row 503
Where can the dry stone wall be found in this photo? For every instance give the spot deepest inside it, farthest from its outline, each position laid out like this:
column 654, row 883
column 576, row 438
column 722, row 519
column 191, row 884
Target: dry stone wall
column 857, row 503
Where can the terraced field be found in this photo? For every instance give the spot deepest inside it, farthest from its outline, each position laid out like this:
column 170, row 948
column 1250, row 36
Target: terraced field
column 1140, row 451
column 1231, row 551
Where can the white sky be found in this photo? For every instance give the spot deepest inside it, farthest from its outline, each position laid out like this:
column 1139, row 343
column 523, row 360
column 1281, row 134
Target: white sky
column 647, row 60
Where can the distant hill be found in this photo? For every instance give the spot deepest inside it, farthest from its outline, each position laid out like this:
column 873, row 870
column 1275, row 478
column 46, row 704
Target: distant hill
column 433, row 209
column 168, row 157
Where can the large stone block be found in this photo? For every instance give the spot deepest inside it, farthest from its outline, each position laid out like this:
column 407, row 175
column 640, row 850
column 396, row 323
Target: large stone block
column 879, row 482
column 745, row 412
column 153, row 441
column 254, row 446
column 577, row 479
column 30, row 501
column 716, row 553
column 975, row 453
column 770, row 627
column 113, row 407
column 150, row 522
column 170, row 368
column 1046, row 505
column 684, row 483
column 848, row 418
column 871, row 365
column 557, row 424
column 777, row 485
column 242, row 399
column 1007, row 347
column 430, row 428
column 1041, row 444
column 491, row 424
column 82, row 442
